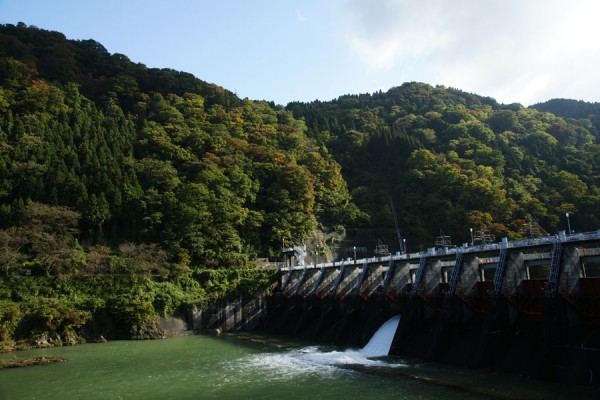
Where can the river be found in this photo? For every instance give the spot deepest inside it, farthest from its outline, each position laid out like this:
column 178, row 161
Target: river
column 253, row 366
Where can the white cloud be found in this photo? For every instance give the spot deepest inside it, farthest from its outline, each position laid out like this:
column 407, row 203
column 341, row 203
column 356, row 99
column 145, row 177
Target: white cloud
column 385, row 31
column 513, row 50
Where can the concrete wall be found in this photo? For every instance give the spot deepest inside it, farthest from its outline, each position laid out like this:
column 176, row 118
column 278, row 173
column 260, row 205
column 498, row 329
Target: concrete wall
column 242, row 313
column 524, row 328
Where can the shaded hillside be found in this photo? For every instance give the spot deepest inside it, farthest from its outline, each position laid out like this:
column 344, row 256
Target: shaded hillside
column 155, row 156
column 453, row 161
column 574, row 109
column 129, row 193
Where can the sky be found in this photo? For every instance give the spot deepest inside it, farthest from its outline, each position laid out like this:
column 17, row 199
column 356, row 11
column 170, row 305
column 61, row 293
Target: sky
column 516, row 51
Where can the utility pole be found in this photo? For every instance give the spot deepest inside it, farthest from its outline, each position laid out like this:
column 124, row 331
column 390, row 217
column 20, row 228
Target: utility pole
column 400, row 242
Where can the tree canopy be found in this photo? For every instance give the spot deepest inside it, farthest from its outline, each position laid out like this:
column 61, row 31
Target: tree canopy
column 127, row 192
column 156, row 156
column 445, row 156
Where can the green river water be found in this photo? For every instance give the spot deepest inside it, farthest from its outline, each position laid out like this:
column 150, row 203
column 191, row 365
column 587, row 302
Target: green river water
column 253, row 366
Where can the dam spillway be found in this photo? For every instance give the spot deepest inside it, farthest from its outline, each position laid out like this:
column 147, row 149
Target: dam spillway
column 529, row 306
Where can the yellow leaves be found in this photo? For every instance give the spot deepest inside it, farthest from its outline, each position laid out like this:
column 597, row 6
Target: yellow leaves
column 47, row 99
column 39, row 86
column 479, row 219
column 279, row 158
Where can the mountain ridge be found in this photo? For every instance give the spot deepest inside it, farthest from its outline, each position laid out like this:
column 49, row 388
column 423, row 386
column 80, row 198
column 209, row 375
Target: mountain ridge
column 473, row 137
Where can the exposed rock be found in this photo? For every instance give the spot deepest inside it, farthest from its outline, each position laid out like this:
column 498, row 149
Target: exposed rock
column 43, row 360
column 70, row 340
column 43, row 340
column 101, row 339
column 54, row 338
column 147, row 330
column 242, row 313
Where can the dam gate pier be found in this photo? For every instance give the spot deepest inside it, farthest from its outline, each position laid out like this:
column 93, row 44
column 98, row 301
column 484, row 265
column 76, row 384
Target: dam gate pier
column 530, row 307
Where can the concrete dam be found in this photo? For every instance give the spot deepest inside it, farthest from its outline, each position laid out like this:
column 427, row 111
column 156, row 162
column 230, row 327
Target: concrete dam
column 530, row 307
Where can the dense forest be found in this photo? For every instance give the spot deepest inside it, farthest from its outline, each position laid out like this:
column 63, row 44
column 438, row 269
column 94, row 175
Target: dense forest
column 156, row 156
column 453, row 161
column 128, row 192
column 141, row 177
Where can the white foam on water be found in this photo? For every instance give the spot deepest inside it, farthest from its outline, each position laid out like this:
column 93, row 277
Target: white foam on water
column 312, row 361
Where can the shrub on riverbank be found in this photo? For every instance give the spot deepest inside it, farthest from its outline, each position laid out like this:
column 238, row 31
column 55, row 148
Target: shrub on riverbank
column 40, row 311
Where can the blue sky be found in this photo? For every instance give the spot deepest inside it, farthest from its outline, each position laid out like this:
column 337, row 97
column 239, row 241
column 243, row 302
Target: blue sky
column 523, row 51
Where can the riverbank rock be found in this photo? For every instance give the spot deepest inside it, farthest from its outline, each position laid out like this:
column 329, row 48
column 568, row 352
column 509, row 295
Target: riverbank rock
column 71, row 340
column 46, row 340
column 101, row 339
column 27, row 362
column 147, row 330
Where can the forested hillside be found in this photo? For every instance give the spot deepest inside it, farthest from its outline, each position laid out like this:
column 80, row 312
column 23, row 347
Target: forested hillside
column 572, row 109
column 156, row 156
column 452, row 161
column 120, row 185
column 129, row 192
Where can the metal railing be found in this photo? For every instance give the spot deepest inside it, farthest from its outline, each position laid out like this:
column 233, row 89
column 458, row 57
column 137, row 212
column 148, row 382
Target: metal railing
column 437, row 252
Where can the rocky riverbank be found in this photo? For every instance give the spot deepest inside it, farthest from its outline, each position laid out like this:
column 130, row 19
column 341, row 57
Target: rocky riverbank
column 28, row 362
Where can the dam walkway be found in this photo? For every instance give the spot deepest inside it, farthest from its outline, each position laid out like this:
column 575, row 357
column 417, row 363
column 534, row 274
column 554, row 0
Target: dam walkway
column 522, row 272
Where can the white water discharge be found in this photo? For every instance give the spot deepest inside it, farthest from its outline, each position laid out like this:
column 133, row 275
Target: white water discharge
column 380, row 343
column 311, row 361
